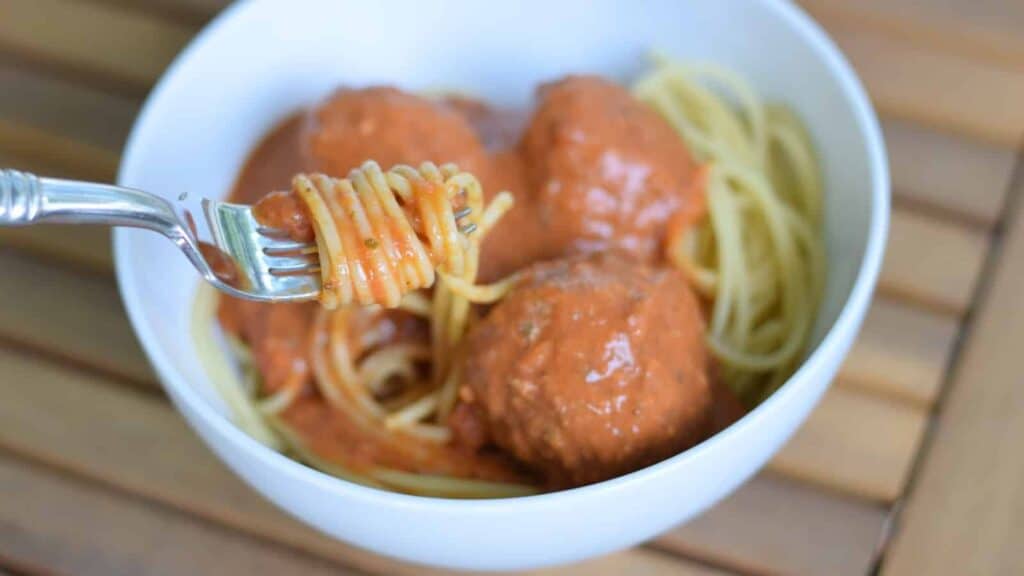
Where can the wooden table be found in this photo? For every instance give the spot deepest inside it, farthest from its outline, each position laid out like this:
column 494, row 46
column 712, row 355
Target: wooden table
column 912, row 464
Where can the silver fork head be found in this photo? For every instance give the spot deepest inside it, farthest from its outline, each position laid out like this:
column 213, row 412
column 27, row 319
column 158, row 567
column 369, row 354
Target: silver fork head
column 267, row 268
column 265, row 264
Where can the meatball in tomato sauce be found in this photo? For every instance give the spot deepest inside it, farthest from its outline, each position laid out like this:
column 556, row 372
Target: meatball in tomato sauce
column 591, row 368
column 605, row 171
column 390, row 127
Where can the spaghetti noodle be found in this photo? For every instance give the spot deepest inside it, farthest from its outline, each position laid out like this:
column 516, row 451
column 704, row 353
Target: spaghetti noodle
column 380, row 396
column 758, row 256
column 380, row 236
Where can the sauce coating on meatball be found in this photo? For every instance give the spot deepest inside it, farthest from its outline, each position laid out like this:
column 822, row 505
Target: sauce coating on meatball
column 591, row 368
column 390, row 127
column 605, row 171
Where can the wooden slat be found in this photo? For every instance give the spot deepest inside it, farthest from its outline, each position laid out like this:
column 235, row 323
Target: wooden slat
column 779, row 526
column 189, row 12
column 984, row 29
column 26, row 147
column 911, row 80
column 956, row 175
column 58, row 128
column 100, row 40
column 855, row 442
column 82, row 424
column 69, row 109
column 638, row 561
column 80, row 247
column 964, row 512
column 78, row 316
column 63, row 525
column 932, row 262
column 901, row 352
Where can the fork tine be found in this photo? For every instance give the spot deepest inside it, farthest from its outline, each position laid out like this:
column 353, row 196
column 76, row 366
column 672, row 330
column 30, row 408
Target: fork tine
column 272, row 232
column 289, row 248
column 468, row 228
column 272, row 266
column 460, row 214
column 302, row 270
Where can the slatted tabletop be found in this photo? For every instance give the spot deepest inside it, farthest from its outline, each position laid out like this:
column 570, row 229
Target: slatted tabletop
column 911, row 464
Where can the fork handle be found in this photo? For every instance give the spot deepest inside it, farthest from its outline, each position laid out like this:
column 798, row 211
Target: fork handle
column 29, row 199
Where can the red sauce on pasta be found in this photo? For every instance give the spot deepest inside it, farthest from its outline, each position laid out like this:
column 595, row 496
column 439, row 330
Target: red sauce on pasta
column 596, row 365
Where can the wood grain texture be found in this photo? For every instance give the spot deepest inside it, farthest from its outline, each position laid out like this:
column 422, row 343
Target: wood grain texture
column 102, row 41
column 931, row 262
column 75, row 247
column 902, row 353
column 66, row 526
column 983, row 29
column 912, row 80
column 83, row 424
column 960, row 177
column 643, row 562
column 965, row 512
column 76, row 316
column 70, row 109
column 779, row 526
column 857, row 443
column 25, row 147
column 191, row 12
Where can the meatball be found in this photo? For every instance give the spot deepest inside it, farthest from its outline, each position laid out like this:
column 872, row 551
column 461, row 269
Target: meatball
column 391, row 127
column 605, row 170
column 591, row 368
column 285, row 211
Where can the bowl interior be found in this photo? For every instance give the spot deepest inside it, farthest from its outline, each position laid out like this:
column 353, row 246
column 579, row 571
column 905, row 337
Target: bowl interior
column 263, row 60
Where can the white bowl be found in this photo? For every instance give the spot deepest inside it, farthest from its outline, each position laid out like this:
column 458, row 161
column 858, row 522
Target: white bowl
column 263, row 59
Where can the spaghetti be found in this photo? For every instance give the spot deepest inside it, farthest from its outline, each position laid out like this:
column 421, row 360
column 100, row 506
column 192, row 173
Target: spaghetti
column 381, row 236
column 758, row 256
column 379, row 385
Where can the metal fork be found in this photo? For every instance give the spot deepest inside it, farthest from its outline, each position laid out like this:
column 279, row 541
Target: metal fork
column 252, row 261
column 259, row 254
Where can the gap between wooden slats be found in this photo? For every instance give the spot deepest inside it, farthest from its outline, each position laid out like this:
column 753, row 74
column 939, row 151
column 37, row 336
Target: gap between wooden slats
column 917, row 82
column 106, row 432
column 964, row 510
column 67, row 526
column 93, row 40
